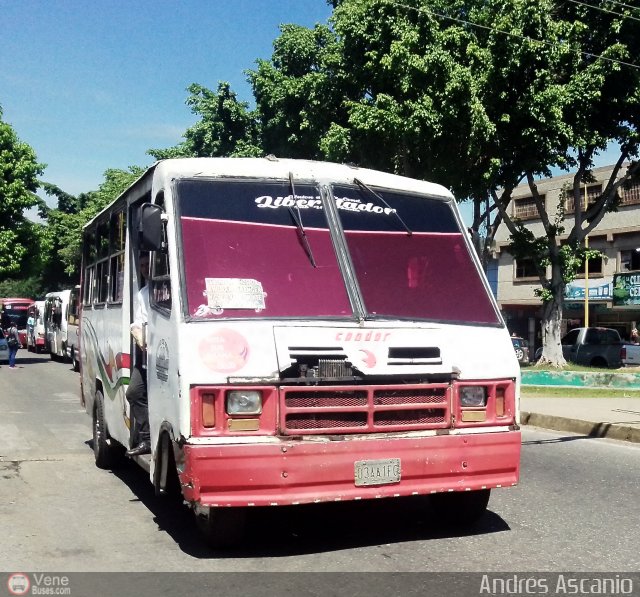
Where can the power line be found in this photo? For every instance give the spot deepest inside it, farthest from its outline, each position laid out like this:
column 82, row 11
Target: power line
column 611, row 12
column 517, row 35
column 624, row 5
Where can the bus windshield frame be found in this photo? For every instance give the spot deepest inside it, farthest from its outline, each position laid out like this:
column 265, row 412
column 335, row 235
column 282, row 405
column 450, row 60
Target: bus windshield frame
column 257, row 248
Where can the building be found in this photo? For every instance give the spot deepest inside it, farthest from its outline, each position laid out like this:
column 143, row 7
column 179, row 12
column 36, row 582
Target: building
column 611, row 283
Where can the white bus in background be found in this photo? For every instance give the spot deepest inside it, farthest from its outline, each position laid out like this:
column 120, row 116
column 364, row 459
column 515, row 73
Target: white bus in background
column 36, row 338
column 316, row 333
column 73, row 323
column 61, row 318
column 61, row 325
column 55, row 323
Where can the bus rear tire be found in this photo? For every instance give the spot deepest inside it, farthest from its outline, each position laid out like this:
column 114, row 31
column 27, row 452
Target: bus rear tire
column 460, row 508
column 222, row 527
column 105, row 450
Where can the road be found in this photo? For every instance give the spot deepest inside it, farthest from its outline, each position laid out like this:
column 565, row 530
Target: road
column 576, row 507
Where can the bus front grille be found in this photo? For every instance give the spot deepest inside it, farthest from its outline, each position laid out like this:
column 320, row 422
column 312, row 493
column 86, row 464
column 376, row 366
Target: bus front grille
column 365, row 409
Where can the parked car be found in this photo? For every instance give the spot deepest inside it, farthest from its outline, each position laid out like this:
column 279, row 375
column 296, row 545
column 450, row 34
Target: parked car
column 593, row 347
column 630, row 355
column 521, row 347
column 4, row 348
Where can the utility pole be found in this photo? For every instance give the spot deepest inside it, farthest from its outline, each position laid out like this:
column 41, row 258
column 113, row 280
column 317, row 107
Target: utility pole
column 586, row 267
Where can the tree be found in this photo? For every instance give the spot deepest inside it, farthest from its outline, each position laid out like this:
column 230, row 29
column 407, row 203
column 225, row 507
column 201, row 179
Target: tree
column 586, row 78
column 19, row 170
column 63, row 237
column 299, row 93
column 478, row 95
column 227, row 128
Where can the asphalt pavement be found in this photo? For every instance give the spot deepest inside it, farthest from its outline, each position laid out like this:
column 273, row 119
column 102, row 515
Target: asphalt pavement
column 614, row 418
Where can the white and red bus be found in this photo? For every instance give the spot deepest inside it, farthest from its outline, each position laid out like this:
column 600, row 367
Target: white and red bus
column 317, row 333
column 61, row 314
column 15, row 311
column 36, row 336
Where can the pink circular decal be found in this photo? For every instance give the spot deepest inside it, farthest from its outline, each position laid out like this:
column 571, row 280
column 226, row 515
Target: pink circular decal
column 225, row 351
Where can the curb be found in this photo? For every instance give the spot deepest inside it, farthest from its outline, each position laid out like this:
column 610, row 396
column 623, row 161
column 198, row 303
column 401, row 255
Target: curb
column 588, row 428
column 618, row 379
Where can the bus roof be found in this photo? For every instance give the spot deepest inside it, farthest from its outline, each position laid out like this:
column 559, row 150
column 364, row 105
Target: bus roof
column 277, row 169
column 14, row 300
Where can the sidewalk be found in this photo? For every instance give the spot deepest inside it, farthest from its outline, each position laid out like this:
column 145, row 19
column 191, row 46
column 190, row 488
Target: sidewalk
column 615, row 418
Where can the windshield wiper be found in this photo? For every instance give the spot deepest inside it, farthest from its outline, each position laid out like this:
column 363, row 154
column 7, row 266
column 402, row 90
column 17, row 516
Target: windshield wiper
column 297, row 218
column 367, row 188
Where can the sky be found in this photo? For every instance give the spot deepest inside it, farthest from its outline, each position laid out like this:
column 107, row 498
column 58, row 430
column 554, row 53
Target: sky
column 92, row 85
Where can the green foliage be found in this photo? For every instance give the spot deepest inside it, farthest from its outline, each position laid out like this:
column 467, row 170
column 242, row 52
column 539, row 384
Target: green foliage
column 62, row 239
column 31, row 287
column 226, row 129
column 300, row 93
column 18, row 182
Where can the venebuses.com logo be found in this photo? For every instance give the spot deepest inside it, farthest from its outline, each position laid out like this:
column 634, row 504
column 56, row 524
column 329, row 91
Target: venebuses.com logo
column 18, row 584
column 38, row 583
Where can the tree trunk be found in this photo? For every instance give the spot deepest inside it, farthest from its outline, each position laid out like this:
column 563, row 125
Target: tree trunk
column 551, row 325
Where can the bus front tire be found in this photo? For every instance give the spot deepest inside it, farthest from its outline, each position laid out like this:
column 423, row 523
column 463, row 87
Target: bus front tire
column 105, row 450
column 222, row 527
column 460, row 508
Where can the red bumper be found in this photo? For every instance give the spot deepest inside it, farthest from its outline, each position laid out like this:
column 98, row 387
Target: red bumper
column 317, row 471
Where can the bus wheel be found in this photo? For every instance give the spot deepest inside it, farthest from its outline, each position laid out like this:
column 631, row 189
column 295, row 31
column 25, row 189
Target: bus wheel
column 105, row 449
column 460, row 508
column 222, row 527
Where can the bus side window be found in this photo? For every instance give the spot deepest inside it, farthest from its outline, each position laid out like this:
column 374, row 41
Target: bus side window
column 102, row 280
column 161, row 281
column 87, row 286
column 116, row 273
column 160, row 275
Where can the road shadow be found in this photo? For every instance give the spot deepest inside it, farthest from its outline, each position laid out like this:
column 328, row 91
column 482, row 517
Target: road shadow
column 307, row 529
column 613, row 430
column 28, row 361
column 557, row 440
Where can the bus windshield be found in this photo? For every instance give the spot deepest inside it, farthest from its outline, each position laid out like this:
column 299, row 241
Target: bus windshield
column 15, row 313
column 244, row 256
column 410, row 257
column 253, row 248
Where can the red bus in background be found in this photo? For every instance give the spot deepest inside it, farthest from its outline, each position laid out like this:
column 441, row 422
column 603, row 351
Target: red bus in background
column 15, row 311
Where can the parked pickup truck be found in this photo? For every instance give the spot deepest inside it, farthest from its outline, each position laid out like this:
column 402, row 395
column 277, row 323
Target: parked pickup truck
column 593, row 347
column 630, row 355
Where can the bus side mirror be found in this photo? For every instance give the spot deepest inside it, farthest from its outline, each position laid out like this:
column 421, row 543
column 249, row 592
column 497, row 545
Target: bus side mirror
column 150, row 230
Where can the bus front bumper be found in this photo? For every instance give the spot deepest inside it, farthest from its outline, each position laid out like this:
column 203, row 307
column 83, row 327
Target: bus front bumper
column 302, row 472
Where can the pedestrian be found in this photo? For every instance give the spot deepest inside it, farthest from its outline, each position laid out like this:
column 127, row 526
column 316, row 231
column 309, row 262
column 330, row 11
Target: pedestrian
column 634, row 336
column 13, row 341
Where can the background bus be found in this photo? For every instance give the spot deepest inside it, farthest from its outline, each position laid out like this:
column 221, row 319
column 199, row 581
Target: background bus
column 73, row 321
column 56, row 305
column 14, row 311
column 61, row 325
column 36, row 338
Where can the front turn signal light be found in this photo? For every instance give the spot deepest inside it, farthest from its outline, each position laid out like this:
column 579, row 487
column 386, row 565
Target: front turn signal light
column 500, row 402
column 208, row 411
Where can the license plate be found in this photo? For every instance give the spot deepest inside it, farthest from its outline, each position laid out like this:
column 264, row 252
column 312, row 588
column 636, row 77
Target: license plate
column 377, row 472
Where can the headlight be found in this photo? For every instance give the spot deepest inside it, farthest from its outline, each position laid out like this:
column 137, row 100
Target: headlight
column 473, row 396
column 244, row 402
